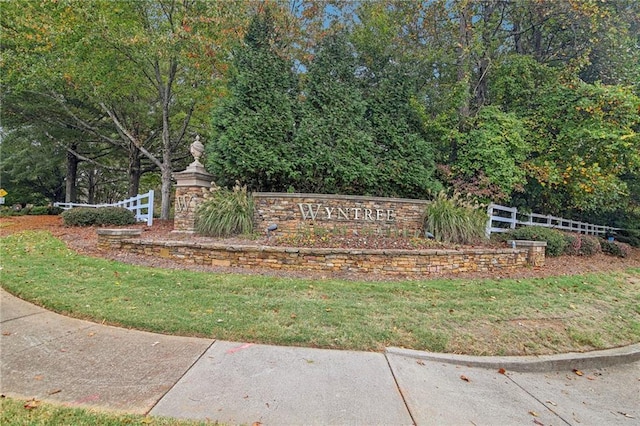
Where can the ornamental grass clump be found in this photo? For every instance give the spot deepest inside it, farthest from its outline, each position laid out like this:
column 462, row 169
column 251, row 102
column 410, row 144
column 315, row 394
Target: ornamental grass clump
column 225, row 212
column 454, row 219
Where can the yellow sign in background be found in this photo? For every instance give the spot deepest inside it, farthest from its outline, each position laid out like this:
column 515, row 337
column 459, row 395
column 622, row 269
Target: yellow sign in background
column 3, row 193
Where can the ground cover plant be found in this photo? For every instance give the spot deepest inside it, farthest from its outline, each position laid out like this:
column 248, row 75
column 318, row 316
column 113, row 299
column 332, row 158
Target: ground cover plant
column 14, row 412
column 483, row 316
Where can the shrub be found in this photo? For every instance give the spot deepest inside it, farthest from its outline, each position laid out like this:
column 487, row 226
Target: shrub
column 629, row 236
column 581, row 245
column 87, row 216
column 114, row 216
column 80, row 216
column 590, row 245
column 454, row 219
column 39, row 211
column 573, row 244
column 556, row 242
column 225, row 212
column 615, row 248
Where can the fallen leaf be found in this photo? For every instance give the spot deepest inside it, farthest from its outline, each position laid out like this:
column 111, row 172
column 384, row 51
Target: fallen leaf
column 38, row 377
column 590, row 378
column 30, row 405
column 7, row 333
column 533, row 413
column 147, row 420
column 502, row 371
column 629, row 416
column 256, row 424
column 294, row 316
column 91, row 334
column 552, row 403
column 55, row 391
column 537, row 422
column 465, row 378
column 420, row 362
column 578, row 372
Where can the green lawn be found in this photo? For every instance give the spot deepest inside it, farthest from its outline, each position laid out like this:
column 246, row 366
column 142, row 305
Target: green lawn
column 483, row 317
column 16, row 412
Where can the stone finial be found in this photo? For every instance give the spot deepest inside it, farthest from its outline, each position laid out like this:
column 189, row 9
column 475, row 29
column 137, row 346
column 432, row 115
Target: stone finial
column 197, row 149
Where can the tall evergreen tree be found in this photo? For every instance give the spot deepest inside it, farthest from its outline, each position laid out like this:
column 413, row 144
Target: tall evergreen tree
column 253, row 127
column 334, row 140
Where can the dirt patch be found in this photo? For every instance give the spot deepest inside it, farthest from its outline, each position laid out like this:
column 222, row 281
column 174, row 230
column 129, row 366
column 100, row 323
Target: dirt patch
column 84, row 240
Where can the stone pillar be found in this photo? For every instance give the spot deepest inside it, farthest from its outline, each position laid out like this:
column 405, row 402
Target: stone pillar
column 536, row 254
column 191, row 185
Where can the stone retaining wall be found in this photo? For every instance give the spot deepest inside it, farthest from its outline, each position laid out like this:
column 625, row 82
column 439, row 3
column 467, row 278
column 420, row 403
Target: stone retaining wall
column 411, row 263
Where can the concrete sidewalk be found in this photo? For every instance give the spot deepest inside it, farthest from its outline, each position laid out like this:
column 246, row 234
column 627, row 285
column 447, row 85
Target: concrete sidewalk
column 77, row 363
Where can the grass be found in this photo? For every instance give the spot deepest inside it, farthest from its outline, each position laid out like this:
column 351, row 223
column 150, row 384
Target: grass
column 16, row 412
column 482, row 317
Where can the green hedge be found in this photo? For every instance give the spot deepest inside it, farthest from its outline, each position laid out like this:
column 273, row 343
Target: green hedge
column 87, row 216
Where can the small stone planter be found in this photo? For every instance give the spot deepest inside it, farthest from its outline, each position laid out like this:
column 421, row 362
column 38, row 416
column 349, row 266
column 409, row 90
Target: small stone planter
column 112, row 238
column 536, row 249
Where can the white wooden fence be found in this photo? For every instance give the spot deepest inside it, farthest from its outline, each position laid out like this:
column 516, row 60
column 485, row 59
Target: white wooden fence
column 502, row 219
column 141, row 205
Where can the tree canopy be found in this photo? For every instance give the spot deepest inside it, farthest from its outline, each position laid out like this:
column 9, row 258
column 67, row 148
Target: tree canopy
column 530, row 103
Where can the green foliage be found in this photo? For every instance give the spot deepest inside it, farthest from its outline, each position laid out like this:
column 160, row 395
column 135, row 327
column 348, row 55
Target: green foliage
column 336, row 150
column 226, row 212
column 253, row 127
column 42, row 210
column 615, row 248
column 556, row 242
column 88, row 216
column 495, row 146
column 629, row 236
column 455, row 219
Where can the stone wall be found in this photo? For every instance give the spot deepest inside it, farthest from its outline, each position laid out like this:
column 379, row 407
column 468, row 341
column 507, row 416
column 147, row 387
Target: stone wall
column 295, row 213
column 405, row 263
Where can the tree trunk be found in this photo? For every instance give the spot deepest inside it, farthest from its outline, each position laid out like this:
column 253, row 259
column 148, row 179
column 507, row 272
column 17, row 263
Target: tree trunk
column 71, row 190
column 134, row 170
column 463, row 73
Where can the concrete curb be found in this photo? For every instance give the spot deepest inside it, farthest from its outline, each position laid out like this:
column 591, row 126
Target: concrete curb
column 541, row 363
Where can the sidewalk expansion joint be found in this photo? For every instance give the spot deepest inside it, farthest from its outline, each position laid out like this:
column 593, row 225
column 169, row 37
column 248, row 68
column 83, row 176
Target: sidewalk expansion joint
column 21, row 317
column 395, row 380
column 181, row 377
column 540, row 401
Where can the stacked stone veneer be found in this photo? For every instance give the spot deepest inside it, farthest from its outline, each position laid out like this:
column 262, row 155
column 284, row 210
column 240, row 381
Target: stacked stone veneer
column 383, row 262
column 295, row 213
column 191, row 187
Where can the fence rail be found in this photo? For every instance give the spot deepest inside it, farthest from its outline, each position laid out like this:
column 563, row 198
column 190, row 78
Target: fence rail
column 502, row 219
column 140, row 205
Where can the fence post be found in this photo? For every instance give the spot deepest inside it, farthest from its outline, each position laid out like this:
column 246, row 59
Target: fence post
column 150, row 209
column 487, row 230
column 514, row 218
